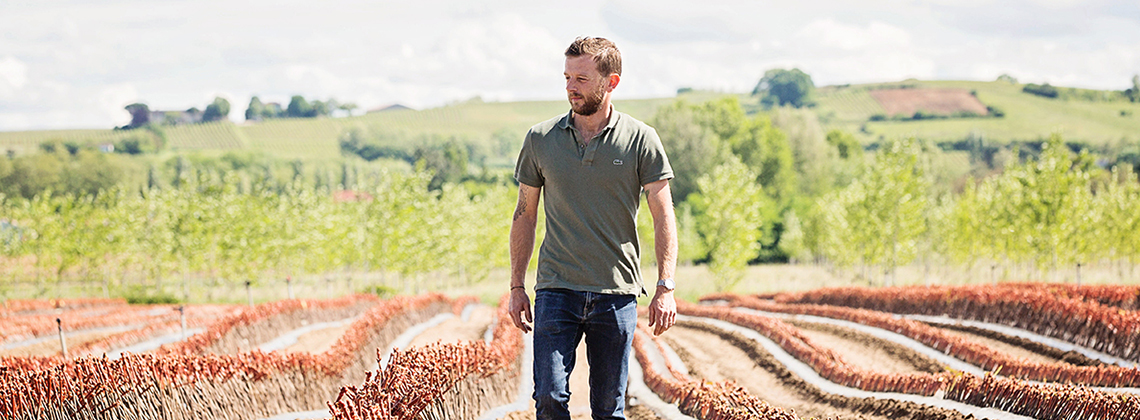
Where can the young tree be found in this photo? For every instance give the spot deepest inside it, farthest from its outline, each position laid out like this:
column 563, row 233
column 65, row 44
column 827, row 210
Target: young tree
column 732, row 220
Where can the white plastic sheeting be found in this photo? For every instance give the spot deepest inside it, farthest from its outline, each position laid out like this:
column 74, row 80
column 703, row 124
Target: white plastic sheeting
column 810, row 376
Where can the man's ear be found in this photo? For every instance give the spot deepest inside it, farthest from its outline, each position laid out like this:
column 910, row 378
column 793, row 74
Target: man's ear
column 614, row 80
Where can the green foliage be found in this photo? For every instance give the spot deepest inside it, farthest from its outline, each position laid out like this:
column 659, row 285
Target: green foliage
column 815, row 160
column 693, row 147
column 217, row 110
column 206, row 225
column 140, row 114
column 140, row 296
column 1133, row 93
column 878, row 219
column 792, row 239
column 845, row 144
column 731, row 220
column 299, row 107
column 1045, row 90
column 785, row 87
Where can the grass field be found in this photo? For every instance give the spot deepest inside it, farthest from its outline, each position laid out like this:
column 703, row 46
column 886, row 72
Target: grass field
column 1027, row 117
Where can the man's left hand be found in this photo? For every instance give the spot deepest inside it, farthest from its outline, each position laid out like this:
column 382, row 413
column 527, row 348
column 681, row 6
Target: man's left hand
column 662, row 311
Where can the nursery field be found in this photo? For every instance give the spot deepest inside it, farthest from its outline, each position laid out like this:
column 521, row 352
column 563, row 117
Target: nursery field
column 1005, row 351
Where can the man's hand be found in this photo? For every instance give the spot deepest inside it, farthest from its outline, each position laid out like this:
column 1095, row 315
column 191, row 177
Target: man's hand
column 519, row 305
column 662, row 311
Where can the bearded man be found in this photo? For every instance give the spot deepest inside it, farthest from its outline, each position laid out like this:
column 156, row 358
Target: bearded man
column 591, row 165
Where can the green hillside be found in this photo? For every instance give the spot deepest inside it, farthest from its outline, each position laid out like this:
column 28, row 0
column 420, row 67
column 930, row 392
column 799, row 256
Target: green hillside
column 317, row 138
column 1027, row 117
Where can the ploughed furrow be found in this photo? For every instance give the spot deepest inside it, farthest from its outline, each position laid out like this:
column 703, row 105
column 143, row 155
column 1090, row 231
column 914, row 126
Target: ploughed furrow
column 867, row 351
column 1033, row 348
column 712, row 353
column 1002, row 347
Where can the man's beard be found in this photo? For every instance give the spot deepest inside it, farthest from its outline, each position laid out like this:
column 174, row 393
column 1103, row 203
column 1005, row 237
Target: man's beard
column 591, row 102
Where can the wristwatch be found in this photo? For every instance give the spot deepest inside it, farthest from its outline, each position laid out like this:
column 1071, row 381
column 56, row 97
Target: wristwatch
column 668, row 283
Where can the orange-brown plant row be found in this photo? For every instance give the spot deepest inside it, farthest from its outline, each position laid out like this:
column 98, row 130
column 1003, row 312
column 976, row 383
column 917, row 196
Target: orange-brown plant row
column 1109, row 329
column 182, row 385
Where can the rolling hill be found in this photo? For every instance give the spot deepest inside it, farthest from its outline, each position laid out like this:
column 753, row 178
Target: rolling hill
column 849, row 107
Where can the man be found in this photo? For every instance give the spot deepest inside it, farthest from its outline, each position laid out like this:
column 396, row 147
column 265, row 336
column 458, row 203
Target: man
column 591, row 165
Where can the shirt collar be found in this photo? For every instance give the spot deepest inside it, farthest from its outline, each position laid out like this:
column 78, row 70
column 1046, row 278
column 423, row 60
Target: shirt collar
column 614, row 116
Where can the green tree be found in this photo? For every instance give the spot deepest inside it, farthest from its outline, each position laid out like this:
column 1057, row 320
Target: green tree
column 255, row 110
column 732, row 220
column 140, row 114
column 217, row 110
column 299, row 108
column 785, row 87
column 815, row 160
column 693, row 148
column 792, row 241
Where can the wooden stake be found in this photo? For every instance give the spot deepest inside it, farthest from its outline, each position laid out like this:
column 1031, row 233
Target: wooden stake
column 62, row 342
column 182, row 317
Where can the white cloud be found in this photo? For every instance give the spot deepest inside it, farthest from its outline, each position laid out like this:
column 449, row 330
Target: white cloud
column 78, row 65
column 875, row 36
column 13, row 76
column 113, row 98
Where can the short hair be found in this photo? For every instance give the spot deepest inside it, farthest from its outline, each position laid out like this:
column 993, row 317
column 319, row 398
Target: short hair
column 606, row 55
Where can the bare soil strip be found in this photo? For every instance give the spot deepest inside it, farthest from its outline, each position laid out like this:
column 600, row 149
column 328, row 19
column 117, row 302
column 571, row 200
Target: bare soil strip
column 844, row 407
column 866, row 351
column 1028, row 335
column 1003, row 347
column 1049, row 353
column 457, row 329
column 710, row 356
column 319, row 341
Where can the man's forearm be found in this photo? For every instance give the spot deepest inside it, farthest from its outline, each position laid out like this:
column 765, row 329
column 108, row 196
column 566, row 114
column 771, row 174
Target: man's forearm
column 665, row 240
column 522, row 246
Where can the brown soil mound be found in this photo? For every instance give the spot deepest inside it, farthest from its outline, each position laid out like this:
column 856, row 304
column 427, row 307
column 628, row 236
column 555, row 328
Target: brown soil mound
column 869, row 351
column 768, row 379
column 934, row 101
column 1050, row 354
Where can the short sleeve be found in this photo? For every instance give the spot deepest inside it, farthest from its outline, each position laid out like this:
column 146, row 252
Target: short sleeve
column 653, row 165
column 527, row 170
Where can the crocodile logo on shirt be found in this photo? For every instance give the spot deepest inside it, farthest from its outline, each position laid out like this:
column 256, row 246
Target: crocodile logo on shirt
column 617, row 162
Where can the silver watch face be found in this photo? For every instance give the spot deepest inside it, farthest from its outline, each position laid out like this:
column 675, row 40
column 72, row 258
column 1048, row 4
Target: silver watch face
column 668, row 283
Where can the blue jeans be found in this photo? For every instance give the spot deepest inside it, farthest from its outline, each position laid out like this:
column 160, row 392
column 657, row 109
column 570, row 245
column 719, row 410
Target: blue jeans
column 561, row 318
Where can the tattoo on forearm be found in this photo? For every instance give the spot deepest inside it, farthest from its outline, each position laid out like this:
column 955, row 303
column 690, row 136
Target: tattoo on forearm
column 521, row 208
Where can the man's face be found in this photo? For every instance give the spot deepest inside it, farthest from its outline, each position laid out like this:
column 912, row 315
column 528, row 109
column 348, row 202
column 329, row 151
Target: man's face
column 585, row 87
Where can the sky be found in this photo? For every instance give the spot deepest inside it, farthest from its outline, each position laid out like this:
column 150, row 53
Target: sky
column 76, row 64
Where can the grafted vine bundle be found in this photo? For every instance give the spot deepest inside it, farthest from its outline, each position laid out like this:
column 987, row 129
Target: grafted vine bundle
column 453, row 381
column 201, row 386
column 1088, row 323
column 967, row 350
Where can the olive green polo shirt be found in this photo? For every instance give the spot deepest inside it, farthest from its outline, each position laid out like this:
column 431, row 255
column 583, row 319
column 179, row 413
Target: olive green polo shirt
column 591, row 194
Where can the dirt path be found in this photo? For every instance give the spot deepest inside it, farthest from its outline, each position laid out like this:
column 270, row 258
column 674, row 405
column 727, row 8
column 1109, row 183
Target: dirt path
column 710, row 357
column 455, row 329
column 866, row 351
column 319, row 341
